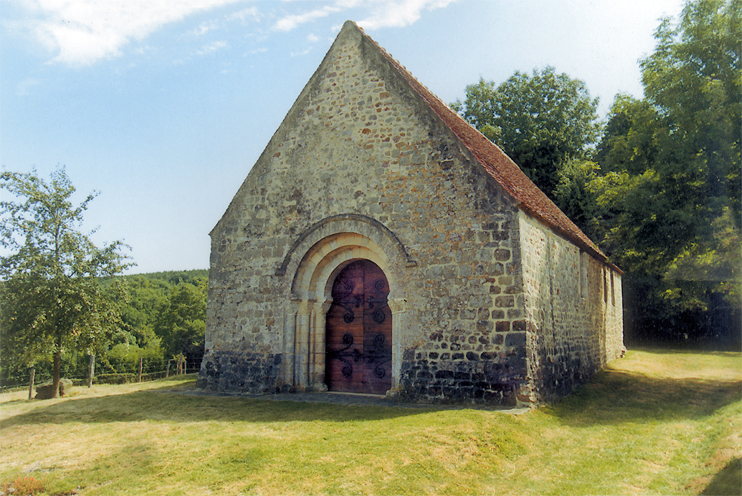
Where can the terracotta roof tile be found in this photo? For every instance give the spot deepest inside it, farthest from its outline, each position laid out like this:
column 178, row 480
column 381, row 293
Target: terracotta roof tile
column 513, row 180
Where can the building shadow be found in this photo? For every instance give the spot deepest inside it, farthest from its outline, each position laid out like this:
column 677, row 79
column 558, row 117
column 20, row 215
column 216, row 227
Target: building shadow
column 187, row 404
column 728, row 482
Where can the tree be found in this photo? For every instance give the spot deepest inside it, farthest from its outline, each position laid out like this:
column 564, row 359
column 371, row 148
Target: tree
column 632, row 138
column 181, row 323
column 52, row 300
column 670, row 195
column 693, row 78
column 576, row 196
column 541, row 121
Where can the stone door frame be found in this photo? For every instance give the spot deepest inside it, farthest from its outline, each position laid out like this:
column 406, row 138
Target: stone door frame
column 314, row 261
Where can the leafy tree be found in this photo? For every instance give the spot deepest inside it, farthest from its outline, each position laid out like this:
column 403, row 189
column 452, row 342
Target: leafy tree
column 670, row 198
column 148, row 295
column 181, row 322
column 52, row 300
column 146, row 298
column 632, row 137
column 577, row 196
column 541, row 121
column 693, row 78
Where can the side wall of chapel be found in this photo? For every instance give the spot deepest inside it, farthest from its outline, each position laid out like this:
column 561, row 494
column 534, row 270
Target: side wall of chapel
column 573, row 311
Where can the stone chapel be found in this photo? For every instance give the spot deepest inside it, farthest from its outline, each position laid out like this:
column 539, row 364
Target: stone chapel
column 382, row 245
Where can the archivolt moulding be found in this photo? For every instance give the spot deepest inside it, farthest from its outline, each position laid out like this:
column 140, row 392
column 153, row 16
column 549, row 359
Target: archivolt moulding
column 353, row 223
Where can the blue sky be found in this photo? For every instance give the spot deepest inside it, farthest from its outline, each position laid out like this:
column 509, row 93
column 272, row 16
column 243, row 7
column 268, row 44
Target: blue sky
column 163, row 106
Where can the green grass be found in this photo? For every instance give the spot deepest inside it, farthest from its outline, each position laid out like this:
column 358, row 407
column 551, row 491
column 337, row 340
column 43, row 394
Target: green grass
column 655, row 422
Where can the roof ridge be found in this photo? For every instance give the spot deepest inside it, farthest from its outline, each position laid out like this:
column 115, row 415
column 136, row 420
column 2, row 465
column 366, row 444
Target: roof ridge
column 496, row 162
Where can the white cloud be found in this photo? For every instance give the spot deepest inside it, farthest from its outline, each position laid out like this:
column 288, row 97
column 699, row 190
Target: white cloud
column 312, row 38
column 290, row 22
column 204, row 28
column 301, row 53
column 398, row 14
column 84, row 31
column 24, row 86
column 384, row 13
column 243, row 15
column 212, row 47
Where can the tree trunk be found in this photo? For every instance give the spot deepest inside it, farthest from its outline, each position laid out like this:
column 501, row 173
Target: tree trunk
column 30, row 385
column 55, row 373
column 91, row 371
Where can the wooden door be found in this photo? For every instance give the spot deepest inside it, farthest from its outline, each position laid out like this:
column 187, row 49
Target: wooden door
column 359, row 331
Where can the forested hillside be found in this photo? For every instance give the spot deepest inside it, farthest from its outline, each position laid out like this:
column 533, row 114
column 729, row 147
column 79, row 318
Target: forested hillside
column 163, row 318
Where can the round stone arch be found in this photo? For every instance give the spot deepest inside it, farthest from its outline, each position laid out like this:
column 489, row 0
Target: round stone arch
column 318, row 269
column 313, row 264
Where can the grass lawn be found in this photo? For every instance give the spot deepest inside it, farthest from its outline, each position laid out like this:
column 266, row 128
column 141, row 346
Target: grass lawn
column 654, row 422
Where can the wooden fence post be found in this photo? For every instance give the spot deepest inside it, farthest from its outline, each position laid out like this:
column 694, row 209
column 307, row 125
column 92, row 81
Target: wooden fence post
column 30, row 386
column 167, row 371
column 139, row 374
column 91, row 370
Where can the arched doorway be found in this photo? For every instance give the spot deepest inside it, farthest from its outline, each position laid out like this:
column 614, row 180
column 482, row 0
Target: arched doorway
column 359, row 331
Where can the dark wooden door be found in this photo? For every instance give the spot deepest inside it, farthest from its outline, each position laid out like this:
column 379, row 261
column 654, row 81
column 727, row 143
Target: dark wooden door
column 359, row 331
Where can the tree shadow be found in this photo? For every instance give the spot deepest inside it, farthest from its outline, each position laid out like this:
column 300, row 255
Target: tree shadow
column 614, row 397
column 685, row 350
column 185, row 404
column 610, row 397
column 728, row 482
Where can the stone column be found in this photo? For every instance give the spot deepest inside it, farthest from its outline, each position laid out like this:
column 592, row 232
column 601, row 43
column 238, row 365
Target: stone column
column 317, row 357
column 301, row 362
column 398, row 307
column 289, row 343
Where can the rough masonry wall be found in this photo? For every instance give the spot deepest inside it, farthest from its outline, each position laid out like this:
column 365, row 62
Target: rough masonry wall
column 359, row 141
column 573, row 311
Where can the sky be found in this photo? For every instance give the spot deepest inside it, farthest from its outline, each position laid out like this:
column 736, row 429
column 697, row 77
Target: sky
column 163, row 106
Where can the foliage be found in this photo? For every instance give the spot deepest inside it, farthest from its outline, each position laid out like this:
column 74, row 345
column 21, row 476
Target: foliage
column 181, row 322
column 52, row 299
column 147, row 295
column 668, row 201
column 576, row 196
column 541, row 121
column 655, row 422
column 130, row 354
column 631, row 138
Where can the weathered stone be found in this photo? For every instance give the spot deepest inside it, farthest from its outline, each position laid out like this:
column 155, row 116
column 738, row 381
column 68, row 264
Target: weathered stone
column 486, row 279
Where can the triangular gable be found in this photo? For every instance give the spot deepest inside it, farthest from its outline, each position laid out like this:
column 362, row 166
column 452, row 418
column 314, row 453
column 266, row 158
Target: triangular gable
column 529, row 197
column 494, row 161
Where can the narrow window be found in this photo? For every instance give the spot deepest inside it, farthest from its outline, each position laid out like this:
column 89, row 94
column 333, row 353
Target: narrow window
column 605, row 285
column 583, row 275
column 613, row 290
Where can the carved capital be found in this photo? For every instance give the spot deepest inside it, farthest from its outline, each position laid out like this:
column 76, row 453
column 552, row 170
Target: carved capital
column 398, row 305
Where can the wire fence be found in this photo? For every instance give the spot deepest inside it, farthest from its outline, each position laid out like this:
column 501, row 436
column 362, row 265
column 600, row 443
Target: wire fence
column 106, row 372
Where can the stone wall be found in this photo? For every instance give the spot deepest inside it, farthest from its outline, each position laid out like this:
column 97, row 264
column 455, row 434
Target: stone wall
column 573, row 312
column 361, row 167
column 359, row 142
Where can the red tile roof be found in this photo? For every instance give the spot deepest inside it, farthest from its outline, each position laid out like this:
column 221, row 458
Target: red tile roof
column 529, row 197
